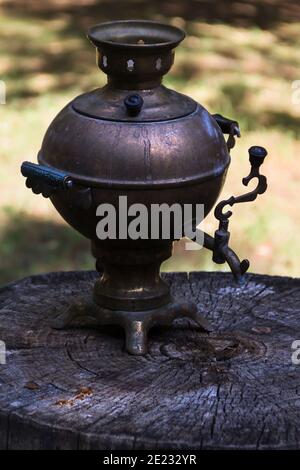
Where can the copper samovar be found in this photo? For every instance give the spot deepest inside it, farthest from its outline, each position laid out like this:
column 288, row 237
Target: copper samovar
column 136, row 138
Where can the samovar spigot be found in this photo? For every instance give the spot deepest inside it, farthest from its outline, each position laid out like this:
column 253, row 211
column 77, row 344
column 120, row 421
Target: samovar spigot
column 220, row 246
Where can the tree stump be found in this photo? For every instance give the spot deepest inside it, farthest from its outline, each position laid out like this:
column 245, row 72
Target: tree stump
column 236, row 388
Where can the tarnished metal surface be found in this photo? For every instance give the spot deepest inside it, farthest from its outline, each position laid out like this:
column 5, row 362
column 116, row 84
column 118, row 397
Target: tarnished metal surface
column 174, row 152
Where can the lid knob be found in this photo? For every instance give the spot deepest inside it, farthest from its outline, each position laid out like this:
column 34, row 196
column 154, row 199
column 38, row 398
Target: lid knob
column 133, row 103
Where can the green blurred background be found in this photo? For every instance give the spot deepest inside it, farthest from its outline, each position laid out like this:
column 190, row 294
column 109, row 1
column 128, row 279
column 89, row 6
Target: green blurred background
column 240, row 59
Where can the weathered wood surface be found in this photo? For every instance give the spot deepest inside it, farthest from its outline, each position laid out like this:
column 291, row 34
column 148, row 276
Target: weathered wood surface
column 77, row 389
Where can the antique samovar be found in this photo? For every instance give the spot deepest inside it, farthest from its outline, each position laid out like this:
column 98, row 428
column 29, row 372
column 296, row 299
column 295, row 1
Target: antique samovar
column 136, row 138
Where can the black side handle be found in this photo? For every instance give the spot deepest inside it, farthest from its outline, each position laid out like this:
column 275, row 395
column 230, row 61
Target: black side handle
column 228, row 126
column 45, row 180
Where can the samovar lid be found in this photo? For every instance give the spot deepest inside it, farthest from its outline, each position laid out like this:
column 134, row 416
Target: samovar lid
column 159, row 104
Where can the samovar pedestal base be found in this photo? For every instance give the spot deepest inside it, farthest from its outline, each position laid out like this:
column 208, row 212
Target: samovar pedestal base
column 87, row 314
column 130, row 293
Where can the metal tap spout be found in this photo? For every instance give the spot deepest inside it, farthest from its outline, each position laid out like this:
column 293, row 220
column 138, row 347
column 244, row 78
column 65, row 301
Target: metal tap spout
column 222, row 254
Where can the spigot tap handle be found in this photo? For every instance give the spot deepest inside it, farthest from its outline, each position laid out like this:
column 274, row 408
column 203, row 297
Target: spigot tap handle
column 256, row 158
column 220, row 246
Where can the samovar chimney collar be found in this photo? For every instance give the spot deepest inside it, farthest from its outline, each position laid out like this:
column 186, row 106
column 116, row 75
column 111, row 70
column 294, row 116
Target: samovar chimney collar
column 135, row 54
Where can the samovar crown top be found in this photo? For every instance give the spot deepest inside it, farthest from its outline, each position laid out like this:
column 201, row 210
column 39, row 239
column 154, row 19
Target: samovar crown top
column 135, row 54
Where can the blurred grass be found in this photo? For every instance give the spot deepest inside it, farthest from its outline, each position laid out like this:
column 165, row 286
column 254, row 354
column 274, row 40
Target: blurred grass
column 239, row 59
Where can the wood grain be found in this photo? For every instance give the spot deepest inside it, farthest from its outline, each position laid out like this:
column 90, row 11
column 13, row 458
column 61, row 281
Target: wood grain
column 78, row 389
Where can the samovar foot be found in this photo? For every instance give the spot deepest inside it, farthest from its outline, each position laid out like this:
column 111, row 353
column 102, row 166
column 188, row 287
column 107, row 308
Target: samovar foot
column 80, row 314
column 138, row 324
column 85, row 313
column 136, row 337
